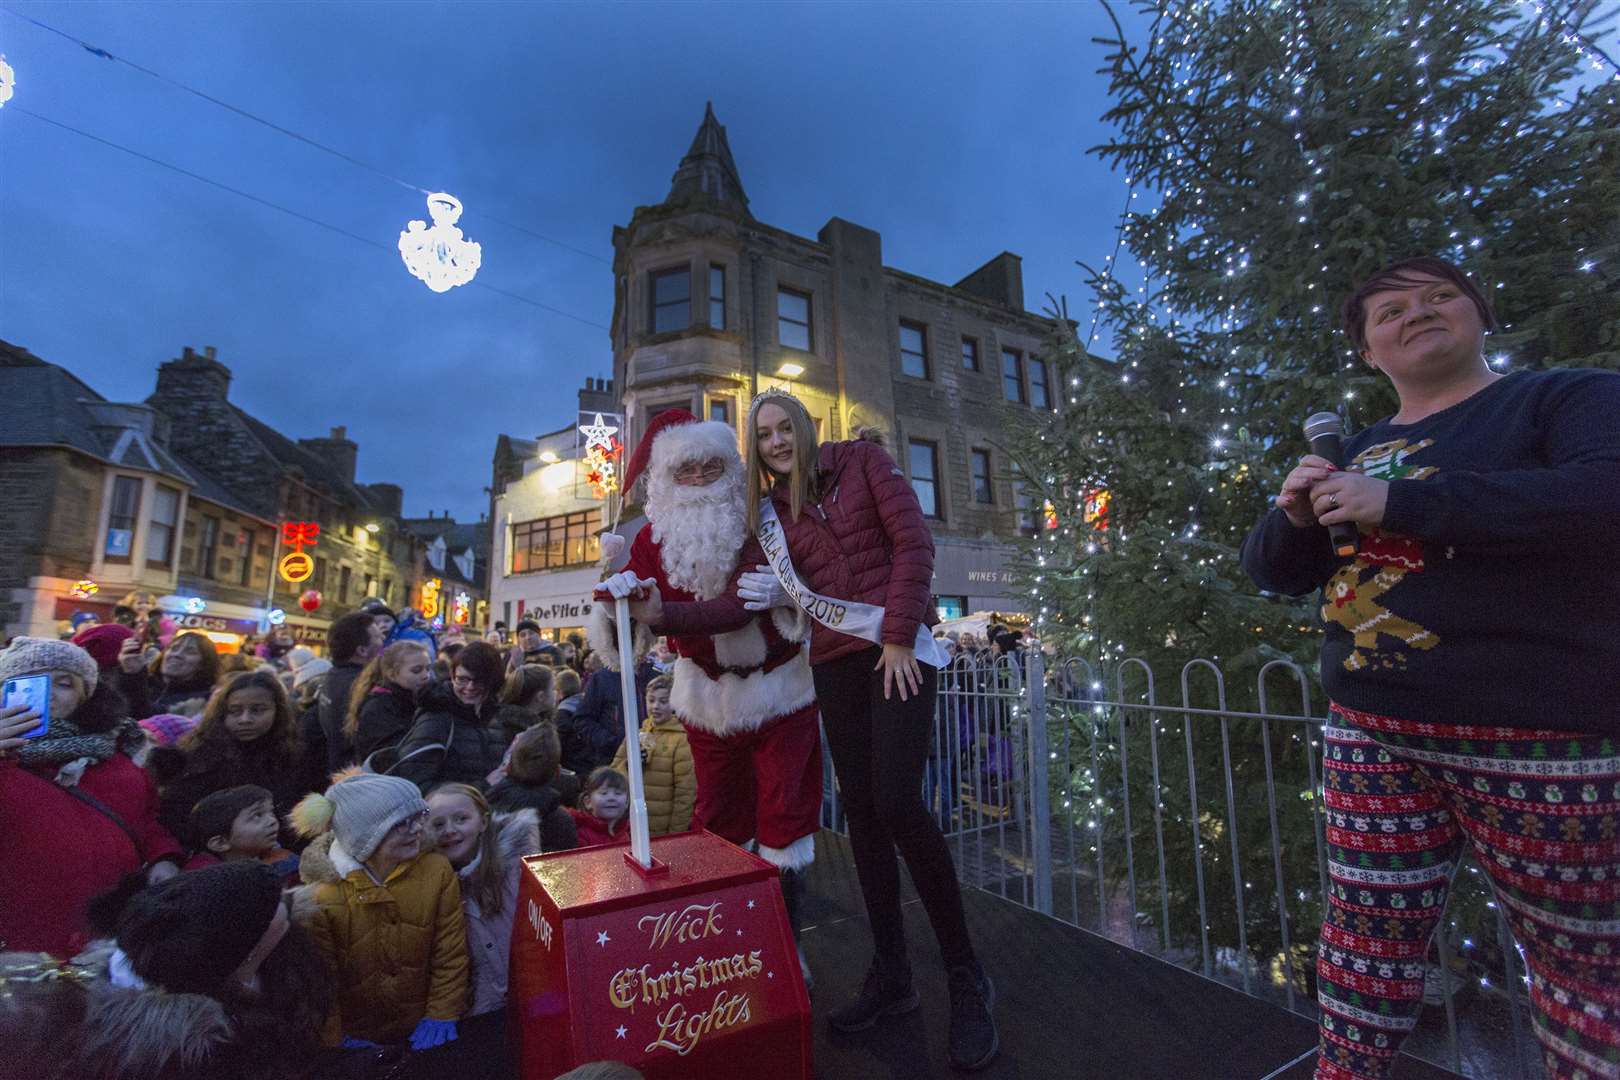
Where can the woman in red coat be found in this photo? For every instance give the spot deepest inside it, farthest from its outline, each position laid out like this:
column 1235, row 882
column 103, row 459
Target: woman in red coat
column 854, row 531
column 76, row 812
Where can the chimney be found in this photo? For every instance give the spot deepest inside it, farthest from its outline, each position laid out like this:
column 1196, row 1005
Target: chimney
column 597, row 396
column 193, row 377
column 1001, row 279
column 390, row 498
column 337, row 449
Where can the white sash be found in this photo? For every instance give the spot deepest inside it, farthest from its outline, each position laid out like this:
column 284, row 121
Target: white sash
column 851, row 617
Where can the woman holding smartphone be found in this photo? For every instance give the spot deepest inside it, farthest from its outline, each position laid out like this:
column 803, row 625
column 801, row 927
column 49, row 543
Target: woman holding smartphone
column 854, row 531
column 76, row 812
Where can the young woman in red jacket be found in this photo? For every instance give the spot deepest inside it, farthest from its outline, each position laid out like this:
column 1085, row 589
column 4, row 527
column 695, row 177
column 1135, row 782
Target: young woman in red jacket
column 854, row 531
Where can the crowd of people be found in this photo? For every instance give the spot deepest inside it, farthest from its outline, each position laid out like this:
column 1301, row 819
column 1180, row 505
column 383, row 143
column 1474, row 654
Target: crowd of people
column 381, row 796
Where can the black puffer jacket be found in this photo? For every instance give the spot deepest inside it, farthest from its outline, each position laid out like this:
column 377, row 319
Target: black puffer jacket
column 557, row 831
column 149, row 694
column 386, row 717
column 451, row 742
column 187, row 776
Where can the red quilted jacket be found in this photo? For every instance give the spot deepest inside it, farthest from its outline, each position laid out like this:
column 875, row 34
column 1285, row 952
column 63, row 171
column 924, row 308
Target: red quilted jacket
column 866, row 540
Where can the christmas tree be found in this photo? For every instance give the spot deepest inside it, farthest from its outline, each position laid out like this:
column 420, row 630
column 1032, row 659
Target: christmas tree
column 1277, row 154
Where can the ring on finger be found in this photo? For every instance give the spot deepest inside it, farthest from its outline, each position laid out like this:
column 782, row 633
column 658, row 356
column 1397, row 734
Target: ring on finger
column 1333, row 501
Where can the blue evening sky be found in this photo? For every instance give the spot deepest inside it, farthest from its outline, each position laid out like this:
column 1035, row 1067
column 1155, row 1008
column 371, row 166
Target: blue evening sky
column 955, row 130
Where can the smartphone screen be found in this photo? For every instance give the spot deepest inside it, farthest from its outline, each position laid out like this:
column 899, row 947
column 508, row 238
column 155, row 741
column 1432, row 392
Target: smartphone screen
column 33, row 691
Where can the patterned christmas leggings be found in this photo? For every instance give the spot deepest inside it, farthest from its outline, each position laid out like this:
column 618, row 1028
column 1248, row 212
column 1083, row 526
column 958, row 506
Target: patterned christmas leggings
column 1541, row 810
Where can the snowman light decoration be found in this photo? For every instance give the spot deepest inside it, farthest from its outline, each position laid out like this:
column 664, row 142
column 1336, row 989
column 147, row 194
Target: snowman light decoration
column 440, row 256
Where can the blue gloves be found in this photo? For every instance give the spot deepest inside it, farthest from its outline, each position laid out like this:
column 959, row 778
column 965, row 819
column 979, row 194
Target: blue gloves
column 351, row 1043
column 430, row 1033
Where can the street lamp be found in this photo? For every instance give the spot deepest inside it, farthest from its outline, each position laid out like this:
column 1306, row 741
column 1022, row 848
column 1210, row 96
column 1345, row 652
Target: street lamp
column 373, row 528
column 790, row 369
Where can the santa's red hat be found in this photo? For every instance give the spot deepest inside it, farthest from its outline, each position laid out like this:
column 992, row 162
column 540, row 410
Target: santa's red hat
column 675, row 437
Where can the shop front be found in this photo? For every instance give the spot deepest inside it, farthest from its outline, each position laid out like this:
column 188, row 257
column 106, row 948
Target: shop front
column 559, row 603
column 225, row 625
column 971, row 577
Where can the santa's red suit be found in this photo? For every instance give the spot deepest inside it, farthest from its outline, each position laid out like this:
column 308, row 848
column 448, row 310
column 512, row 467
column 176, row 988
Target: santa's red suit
column 742, row 679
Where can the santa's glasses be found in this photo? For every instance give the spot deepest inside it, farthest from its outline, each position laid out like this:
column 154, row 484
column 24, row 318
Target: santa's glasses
column 710, row 470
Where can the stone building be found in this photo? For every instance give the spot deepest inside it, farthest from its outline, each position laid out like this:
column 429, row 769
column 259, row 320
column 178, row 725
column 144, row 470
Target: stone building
column 545, row 547
column 712, row 305
column 456, row 569
column 362, row 548
column 99, row 504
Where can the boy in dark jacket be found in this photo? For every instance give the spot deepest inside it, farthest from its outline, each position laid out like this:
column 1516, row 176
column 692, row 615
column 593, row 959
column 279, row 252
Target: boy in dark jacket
column 531, row 778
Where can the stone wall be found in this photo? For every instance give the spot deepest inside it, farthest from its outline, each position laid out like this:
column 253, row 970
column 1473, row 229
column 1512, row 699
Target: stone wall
column 51, row 499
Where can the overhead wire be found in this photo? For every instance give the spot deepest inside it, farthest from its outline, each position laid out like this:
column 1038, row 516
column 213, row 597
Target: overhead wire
column 104, row 54
column 300, row 215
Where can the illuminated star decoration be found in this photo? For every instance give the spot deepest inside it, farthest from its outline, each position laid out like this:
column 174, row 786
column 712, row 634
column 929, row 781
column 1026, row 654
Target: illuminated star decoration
column 8, row 80
column 620, row 1031
column 602, row 454
column 602, row 937
column 598, row 433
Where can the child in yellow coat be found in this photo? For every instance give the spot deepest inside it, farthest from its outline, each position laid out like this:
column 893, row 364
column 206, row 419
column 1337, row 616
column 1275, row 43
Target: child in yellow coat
column 666, row 761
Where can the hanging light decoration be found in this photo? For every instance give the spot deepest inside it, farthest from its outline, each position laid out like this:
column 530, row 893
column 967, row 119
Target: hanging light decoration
column 8, row 80
column 440, row 255
column 84, row 589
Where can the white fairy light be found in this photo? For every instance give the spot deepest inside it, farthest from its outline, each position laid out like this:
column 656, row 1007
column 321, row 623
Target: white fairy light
column 8, row 80
column 440, row 256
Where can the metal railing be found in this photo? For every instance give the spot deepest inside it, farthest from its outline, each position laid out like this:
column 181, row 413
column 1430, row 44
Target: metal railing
column 1191, row 830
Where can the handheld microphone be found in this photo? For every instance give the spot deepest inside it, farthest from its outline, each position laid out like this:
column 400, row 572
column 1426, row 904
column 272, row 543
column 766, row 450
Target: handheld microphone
column 1325, row 432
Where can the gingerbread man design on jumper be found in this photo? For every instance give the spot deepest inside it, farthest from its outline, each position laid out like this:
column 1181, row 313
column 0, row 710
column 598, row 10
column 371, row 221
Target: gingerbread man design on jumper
column 1353, row 597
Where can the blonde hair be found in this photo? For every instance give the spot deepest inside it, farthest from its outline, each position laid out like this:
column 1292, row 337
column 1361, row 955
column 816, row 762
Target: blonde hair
column 487, row 883
column 381, row 669
column 666, row 683
column 801, row 481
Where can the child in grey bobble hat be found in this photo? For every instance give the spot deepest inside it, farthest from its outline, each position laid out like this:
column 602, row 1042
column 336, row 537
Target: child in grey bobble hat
column 386, row 915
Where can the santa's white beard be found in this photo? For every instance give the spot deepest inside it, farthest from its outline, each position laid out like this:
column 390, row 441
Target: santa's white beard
column 699, row 531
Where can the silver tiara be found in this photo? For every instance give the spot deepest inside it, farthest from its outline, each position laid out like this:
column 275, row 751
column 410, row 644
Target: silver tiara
column 776, row 392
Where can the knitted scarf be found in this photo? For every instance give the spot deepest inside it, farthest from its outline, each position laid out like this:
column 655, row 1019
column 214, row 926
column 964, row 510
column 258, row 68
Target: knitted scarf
column 63, row 746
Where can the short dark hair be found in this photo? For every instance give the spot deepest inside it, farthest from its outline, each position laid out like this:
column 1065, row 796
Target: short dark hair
column 536, row 755
column 215, row 814
column 1403, row 274
column 567, row 682
column 485, row 664
column 349, row 635
column 526, row 624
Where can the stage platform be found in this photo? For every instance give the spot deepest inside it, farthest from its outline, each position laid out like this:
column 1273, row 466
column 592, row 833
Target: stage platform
column 1070, row 1005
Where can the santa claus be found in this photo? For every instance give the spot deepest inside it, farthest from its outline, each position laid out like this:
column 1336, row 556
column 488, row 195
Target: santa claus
column 742, row 677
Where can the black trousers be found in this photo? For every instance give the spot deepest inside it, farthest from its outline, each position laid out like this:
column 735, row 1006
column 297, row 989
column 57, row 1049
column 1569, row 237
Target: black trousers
column 879, row 749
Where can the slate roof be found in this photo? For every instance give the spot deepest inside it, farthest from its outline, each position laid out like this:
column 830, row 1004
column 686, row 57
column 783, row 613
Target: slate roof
column 314, row 467
column 46, row 405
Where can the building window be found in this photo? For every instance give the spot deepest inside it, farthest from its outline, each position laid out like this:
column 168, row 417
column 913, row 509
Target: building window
column 914, row 350
column 126, row 500
column 982, row 491
column 371, row 586
column 1012, row 376
column 317, row 580
column 387, row 591
column 970, row 354
column 720, row 410
column 793, row 320
column 1025, row 502
column 1038, row 395
column 717, row 296
column 671, row 300
column 924, row 460
column 208, row 546
column 247, row 556
column 344, row 577
column 950, row 607
column 165, row 516
column 548, row 543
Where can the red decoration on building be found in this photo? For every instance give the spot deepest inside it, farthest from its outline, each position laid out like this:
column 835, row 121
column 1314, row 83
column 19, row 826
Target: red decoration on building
column 297, row 534
column 310, row 600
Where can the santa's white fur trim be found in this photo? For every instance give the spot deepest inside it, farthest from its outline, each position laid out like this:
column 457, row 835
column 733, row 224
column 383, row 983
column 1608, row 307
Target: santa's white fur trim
column 701, row 441
column 732, row 703
column 743, row 647
column 603, row 635
column 796, row 856
column 793, row 622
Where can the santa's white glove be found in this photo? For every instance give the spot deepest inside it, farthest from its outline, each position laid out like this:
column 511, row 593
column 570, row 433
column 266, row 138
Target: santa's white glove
column 624, row 583
column 760, row 590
